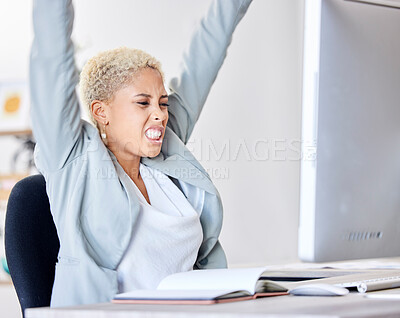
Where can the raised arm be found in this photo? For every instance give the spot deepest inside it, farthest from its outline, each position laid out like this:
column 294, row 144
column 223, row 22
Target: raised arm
column 201, row 63
column 55, row 109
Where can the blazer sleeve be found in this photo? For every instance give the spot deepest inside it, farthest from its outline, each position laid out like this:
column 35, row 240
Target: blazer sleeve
column 55, row 108
column 201, row 63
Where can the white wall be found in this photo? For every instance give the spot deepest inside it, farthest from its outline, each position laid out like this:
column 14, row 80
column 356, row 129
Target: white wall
column 15, row 39
column 248, row 134
column 256, row 102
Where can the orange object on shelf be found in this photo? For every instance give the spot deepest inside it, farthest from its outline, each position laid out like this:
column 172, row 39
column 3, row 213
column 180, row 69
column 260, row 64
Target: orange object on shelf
column 12, row 104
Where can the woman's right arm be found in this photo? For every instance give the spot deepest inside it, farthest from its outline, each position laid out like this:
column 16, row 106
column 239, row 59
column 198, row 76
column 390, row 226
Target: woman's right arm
column 201, row 63
column 55, row 109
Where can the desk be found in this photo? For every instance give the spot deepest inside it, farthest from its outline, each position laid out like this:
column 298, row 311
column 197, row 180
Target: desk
column 352, row 305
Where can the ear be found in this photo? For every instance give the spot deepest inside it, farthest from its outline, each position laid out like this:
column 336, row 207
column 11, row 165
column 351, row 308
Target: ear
column 98, row 111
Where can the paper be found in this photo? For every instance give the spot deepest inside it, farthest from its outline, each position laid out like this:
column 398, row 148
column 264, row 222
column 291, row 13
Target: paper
column 146, row 294
column 223, row 279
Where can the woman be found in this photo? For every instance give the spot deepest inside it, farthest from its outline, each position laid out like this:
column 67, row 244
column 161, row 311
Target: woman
column 131, row 204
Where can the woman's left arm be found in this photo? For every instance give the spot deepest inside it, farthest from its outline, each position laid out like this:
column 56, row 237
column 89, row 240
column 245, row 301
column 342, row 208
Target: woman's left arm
column 201, row 63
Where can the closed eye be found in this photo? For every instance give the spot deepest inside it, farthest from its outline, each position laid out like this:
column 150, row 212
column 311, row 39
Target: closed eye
column 143, row 103
column 164, row 104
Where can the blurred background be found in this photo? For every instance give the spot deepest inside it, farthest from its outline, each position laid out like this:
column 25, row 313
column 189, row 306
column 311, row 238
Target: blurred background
column 247, row 137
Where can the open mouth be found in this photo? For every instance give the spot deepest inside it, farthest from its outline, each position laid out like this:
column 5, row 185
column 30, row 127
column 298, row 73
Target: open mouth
column 154, row 134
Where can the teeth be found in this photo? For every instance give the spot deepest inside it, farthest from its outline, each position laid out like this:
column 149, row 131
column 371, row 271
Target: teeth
column 153, row 133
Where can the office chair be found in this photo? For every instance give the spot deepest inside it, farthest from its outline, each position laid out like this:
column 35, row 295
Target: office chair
column 31, row 242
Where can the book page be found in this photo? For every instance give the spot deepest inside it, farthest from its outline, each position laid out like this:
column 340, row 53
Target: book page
column 145, row 294
column 217, row 279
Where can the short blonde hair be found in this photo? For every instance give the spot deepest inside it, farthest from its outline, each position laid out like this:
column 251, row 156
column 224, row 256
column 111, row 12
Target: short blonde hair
column 109, row 71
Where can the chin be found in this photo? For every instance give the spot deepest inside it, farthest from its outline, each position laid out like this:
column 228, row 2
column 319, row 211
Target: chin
column 153, row 153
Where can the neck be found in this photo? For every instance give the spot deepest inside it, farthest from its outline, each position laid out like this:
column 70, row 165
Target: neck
column 130, row 163
column 131, row 167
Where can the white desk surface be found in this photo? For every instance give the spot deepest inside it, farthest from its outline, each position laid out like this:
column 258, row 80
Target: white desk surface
column 351, row 305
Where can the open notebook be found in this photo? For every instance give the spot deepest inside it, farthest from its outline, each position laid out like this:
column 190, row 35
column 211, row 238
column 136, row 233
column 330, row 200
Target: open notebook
column 206, row 287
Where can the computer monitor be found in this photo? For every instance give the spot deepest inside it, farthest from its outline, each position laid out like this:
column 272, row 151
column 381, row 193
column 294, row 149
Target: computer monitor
column 350, row 169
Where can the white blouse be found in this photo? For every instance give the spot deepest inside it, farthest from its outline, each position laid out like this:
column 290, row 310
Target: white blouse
column 166, row 236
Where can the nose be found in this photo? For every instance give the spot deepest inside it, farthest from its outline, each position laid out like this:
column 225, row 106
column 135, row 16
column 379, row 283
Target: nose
column 158, row 114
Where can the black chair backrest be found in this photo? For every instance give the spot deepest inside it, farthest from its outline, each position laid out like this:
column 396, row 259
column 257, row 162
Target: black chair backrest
column 31, row 242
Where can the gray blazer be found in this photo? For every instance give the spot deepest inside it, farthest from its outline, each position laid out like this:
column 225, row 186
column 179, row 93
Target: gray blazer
column 94, row 210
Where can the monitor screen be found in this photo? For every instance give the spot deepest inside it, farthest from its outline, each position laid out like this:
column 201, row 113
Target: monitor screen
column 350, row 169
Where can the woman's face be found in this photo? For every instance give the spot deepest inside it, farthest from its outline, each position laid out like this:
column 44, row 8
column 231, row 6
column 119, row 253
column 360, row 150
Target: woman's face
column 137, row 117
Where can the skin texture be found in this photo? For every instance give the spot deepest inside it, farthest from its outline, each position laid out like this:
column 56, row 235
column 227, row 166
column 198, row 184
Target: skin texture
column 132, row 110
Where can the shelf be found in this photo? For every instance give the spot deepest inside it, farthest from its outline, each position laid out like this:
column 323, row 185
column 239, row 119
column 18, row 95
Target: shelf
column 6, row 282
column 26, row 132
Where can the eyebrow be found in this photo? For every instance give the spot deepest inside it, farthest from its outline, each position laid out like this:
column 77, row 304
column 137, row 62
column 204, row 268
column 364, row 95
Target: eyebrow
column 149, row 96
